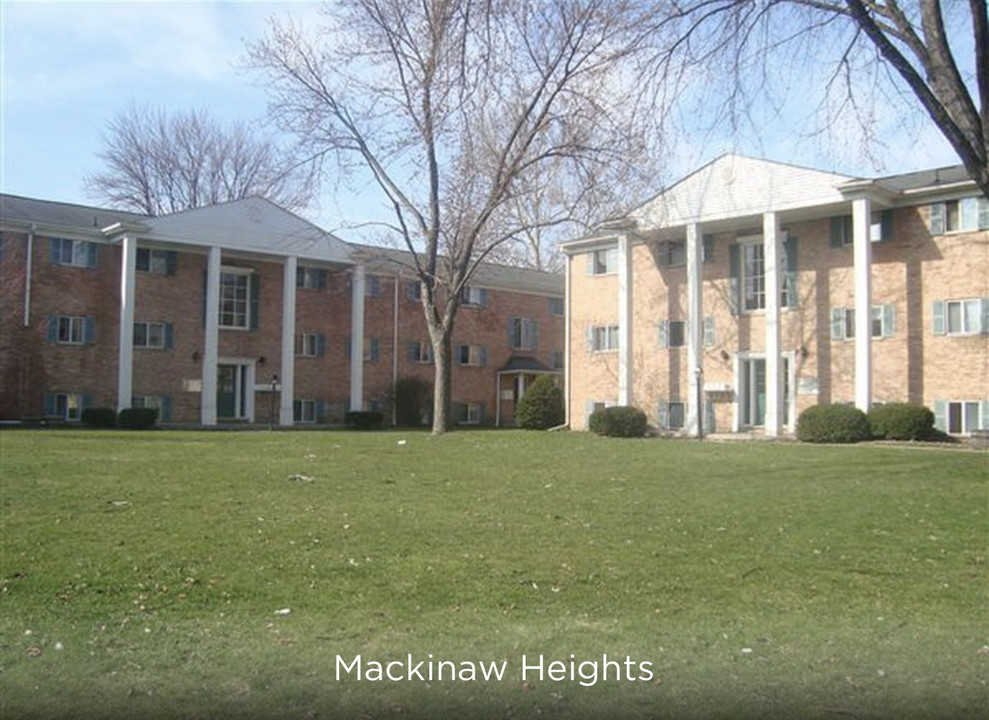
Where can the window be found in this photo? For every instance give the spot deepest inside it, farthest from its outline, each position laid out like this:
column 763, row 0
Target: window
column 305, row 411
column 965, row 214
column 880, row 228
column 603, row 337
column 672, row 254
column 156, row 262
column 753, row 275
column 883, row 322
column 372, row 349
column 372, row 286
column 310, row 278
column 964, row 317
column 161, row 403
column 153, row 335
column 672, row 333
column 413, row 290
column 470, row 413
column 670, row 415
column 70, row 329
column 556, row 306
column 471, row 355
column 235, row 302
column 65, row 406
column 312, row 344
column 961, row 417
column 419, row 352
column 523, row 333
column 603, row 262
column 474, row 296
column 77, row 253
column 558, row 359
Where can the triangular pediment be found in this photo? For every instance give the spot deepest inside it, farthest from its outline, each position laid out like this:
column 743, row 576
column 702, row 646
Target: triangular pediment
column 736, row 186
column 251, row 225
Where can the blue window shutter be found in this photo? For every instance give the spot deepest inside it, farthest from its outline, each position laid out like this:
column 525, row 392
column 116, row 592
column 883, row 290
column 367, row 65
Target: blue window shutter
column 889, row 320
column 837, row 230
column 169, row 336
column 481, row 414
column 983, row 204
column 709, row 417
column 984, row 415
column 735, row 288
column 171, row 262
column 85, row 401
column 320, row 345
column 321, row 278
column 320, row 410
column 589, row 267
column 483, row 297
column 534, row 334
column 375, row 349
column 254, row 295
column 92, row 254
column 589, row 337
column 837, row 323
column 937, row 312
column 886, row 226
column 300, row 276
column 411, row 350
column 458, row 412
column 166, row 408
column 664, row 333
column 663, row 415
column 935, row 220
column 941, row 415
column 205, row 293
column 55, row 250
column 51, row 404
column 52, row 330
column 709, row 331
column 88, row 330
column 296, row 410
column 511, row 331
column 792, row 296
column 708, row 248
column 484, row 356
column 985, row 315
column 348, row 346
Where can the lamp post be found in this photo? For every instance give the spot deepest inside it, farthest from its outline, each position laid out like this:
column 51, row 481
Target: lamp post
column 699, row 375
column 271, row 401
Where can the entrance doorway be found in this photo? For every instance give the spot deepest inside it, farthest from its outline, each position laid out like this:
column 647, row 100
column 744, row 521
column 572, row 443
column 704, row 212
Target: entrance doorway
column 752, row 391
column 233, row 401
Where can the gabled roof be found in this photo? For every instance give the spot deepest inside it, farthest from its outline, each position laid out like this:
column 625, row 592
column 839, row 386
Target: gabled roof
column 488, row 275
column 734, row 186
column 53, row 216
column 252, row 225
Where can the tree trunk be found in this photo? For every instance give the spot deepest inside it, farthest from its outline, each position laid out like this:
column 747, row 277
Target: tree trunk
column 442, row 379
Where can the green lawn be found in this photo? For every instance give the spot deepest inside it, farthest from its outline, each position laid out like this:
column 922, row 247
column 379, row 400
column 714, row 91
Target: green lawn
column 143, row 574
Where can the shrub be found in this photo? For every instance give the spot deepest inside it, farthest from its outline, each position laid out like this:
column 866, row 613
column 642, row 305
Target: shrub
column 542, row 405
column 619, row 421
column 137, row 418
column 901, row 421
column 833, row 424
column 363, row 420
column 412, row 398
column 99, row 417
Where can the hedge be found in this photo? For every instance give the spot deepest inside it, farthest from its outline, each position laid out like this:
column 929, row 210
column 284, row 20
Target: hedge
column 363, row 420
column 542, row 405
column 99, row 417
column 833, row 424
column 137, row 418
column 901, row 421
column 618, row 421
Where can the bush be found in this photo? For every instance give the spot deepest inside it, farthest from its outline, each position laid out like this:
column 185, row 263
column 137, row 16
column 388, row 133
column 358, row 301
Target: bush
column 363, row 420
column 99, row 417
column 137, row 418
column 620, row 421
column 542, row 405
column 412, row 398
column 901, row 421
column 833, row 424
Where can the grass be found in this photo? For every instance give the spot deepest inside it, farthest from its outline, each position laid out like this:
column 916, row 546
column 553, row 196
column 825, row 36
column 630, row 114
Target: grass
column 142, row 574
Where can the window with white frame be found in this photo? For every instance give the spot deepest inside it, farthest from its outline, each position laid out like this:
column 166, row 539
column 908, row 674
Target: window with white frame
column 77, row 253
column 150, row 402
column 675, row 419
column 155, row 262
column 67, row 406
column 71, row 330
column 558, row 359
column 235, row 305
column 474, row 296
column 882, row 323
column 753, row 276
column 419, row 352
column 471, row 355
column 305, row 410
column 523, row 333
column 603, row 262
column 964, row 317
column 964, row 214
column 842, row 229
column 151, row 335
column 471, row 413
column 672, row 253
column 962, row 417
column 672, row 333
column 310, row 278
column 556, row 306
column 413, row 289
column 312, row 344
column 603, row 337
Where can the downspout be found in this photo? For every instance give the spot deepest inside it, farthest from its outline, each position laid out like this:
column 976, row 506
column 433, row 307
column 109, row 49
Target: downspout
column 28, row 266
column 394, row 349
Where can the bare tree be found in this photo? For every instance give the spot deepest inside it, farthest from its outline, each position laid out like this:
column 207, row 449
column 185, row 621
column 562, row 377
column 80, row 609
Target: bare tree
column 454, row 108
column 933, row 52
column 159, row 163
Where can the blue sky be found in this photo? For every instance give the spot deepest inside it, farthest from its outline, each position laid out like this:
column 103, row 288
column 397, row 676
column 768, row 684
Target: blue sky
column 69, row 67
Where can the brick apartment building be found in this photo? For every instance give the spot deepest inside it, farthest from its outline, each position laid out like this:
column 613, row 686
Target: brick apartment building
column 751, row 290
column 243, row 312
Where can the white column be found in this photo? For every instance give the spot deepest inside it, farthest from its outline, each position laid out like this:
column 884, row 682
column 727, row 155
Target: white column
column 695, row 327
column 862, row 253
column 567, row 362
column 286, row 415
column 125, row 348
column 211, row 339
column 774, row 384
column 624, row 320
column 357, row 340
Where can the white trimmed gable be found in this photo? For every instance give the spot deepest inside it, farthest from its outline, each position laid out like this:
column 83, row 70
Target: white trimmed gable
column 252, row 225
column 737, row 186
